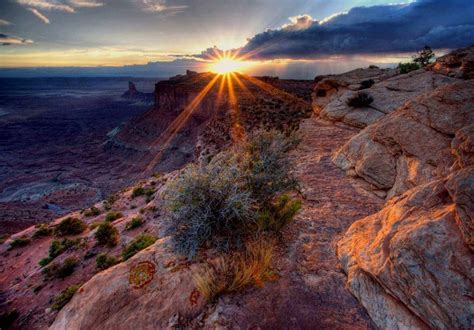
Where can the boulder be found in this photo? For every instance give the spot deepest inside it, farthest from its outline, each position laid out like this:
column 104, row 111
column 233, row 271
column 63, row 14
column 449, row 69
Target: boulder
column 388, row 94
column 415, row 144
column 152, row 290
column 459, row 64
column 410, row 264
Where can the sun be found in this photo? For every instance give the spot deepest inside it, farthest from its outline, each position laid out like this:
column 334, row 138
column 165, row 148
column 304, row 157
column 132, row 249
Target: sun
column 227, row 65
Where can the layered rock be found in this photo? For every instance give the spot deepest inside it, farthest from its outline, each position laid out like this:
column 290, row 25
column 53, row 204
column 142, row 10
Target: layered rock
column 389, row 91
column 412, row 145
column 459, row 64
column 410, row 264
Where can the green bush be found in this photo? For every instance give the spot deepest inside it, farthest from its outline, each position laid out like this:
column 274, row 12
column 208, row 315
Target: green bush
column 140, row 191
column 360, row 100
column 134, row 223
column 19, row 242
column 57, row 247
column 107, row 234
column 216, row 205
column 70, row 226
column 408, row 67
column 63, row 270
column 112, row 216
column 282, row 211
column 104, row 261
column 92, row 212
column 137, row 244
column 64, row 297
column 42, row 230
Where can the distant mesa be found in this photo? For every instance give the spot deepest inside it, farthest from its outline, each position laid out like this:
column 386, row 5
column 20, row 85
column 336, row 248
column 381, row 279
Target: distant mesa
column 134, row 94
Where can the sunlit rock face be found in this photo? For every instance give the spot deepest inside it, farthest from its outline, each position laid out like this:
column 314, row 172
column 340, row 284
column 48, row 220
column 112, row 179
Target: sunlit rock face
column 459, row 64
column 388, row 90
column 410, row 264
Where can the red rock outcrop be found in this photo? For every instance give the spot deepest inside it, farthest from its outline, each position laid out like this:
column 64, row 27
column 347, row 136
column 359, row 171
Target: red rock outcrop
column 410, row 264
column 459, row 64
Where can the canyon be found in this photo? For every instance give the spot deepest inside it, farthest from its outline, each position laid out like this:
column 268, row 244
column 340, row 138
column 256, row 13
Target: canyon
column 384, row 239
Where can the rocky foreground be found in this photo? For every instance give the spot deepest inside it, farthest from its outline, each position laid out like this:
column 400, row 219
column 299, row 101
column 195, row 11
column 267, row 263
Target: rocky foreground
column 384, row 239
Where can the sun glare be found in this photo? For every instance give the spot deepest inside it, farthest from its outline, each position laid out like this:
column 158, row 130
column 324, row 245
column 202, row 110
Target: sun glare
column 227, row 65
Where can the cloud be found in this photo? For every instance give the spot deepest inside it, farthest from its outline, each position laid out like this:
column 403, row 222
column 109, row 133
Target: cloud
column 39, row 15
column 4, row 23
column 6, row 40
column 368, row 30
column 298, row 23
column 159, row 6
column 85, row 3
column 47, row 5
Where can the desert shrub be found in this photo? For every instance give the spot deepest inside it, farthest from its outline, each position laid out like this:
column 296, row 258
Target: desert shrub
column 408, row 67
column 136, row 245
column 424, row 56
column 373, row 67
column 57, row 247
column 140, row 191
column 216, row 205
column 235, row 272
column 113, row 215
column 267, row 165
column 19, row 242
column 107, row 234
column 42, row 230
column 366, row 83
column 279, row 214
column 70, row 226
column 209, row 205
column 104, row 261
column 134, row 223
column 92, row 212
column 64, row 297
column 57, row 270
column 360, row 100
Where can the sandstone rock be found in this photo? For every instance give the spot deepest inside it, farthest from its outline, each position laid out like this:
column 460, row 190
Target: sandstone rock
column 409, row 262
column 459, row 63
column 413, row 145
column 146, row 292
column 388, row 95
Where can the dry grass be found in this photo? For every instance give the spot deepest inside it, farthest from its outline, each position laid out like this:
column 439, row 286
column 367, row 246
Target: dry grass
column 236, row 272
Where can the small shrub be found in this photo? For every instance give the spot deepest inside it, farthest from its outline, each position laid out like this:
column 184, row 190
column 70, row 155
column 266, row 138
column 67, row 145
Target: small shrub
column 107, row 234
column 70, row 226
column 92, row 212
column 63, row 270
column 360, row 100
column 112, row 216
column 90, row 253
column 134, row 223
column 236, row 272
column 57, row 247
column 366, row 83
column 42, row 230
column 214, row 205
column 19, row 242
column 137, row 244
column 104, row 261
column 282, row 211
column 424, row 56
column 64, row 297
column 140, row 191
column 408, row 67
column 373, row 67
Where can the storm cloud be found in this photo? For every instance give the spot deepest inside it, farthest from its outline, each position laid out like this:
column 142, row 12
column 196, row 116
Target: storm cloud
column 369, row 30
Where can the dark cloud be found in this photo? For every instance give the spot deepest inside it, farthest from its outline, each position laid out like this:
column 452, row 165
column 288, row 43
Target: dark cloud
column 368, row 30
column 6, row 40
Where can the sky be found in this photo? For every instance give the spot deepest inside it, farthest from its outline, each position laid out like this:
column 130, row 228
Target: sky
column 292, row 38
